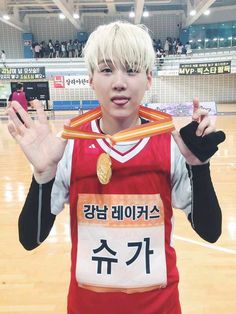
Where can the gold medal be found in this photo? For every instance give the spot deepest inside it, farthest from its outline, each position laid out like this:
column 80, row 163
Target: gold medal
column 104, row 170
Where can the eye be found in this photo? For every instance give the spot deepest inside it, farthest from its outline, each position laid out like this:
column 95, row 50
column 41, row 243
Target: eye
column 106, row 70
column 132, row 71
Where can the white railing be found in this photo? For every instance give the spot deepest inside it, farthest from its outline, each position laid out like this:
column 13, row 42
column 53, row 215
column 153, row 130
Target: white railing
column 77, row 65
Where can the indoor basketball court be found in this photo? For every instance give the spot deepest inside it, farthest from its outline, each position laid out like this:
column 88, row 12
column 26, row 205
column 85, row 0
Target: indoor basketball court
column 37, row 281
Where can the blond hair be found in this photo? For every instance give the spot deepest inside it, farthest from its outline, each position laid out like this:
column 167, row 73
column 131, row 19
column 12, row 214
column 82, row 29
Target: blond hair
column 120, row 41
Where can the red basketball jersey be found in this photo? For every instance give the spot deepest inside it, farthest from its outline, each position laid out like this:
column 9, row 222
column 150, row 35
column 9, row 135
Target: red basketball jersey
column 122, row 258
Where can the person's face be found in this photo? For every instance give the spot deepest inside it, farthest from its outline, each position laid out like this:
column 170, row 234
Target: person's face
column 119, row 90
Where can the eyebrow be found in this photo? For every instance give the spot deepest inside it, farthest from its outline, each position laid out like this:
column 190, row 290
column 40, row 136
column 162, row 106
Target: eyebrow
column 104, row 61
column 109, row 63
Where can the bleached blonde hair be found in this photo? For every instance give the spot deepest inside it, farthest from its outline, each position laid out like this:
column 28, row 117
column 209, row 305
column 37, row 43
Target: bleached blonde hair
column 129, row 44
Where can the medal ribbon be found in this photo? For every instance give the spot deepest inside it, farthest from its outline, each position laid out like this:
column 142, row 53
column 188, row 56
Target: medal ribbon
column 161, row 123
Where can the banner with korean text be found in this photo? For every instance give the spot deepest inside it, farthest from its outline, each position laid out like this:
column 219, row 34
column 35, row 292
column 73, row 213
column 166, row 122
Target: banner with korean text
column 206, row 68
column 79, row 81
column 24, row 73
column 183, row 109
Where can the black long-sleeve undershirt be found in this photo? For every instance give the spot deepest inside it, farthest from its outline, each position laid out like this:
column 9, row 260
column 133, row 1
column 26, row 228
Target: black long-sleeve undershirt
column 205, row 216
column 36, row 219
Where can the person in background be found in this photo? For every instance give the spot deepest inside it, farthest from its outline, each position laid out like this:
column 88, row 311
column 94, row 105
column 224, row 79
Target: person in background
column 42, row 49
column 37, row 49
column 51, row 49
column 188, row 49
column 3, row 58
column 121, row 180
column 57, row 47
column 76, row 48
column 19, row 96
column 174, row 46
column 63, row 49
column 179, row 48
column 70, row 48
column 167, row 46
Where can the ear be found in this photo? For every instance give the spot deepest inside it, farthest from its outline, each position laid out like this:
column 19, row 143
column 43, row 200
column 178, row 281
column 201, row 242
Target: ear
column 149, row 80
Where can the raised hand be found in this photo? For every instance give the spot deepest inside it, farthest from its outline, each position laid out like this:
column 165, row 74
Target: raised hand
column 203, row 126
column 41, row 147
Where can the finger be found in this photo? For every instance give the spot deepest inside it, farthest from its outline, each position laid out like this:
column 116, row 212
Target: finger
column 42, row 118
column 13, row 117
column 59, row 134
column 24, row 115
column 209, row 130
column 13, row 131
column 205, row 123
column 199, row 114
column 66, row 123
column 196, row 104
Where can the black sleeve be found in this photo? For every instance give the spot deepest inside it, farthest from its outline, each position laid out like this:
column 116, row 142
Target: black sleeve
column 205, row 216
column 36, row 219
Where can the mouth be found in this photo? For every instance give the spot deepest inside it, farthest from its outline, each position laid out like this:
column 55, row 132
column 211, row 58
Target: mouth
column 120, row 100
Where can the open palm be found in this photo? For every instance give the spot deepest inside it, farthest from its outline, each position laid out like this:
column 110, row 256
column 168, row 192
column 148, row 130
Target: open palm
column 41, row 147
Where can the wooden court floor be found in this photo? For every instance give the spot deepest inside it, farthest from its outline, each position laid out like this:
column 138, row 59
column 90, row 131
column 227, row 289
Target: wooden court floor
column 36, row 282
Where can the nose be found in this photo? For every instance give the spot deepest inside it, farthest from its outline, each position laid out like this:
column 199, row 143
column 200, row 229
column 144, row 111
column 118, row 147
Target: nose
column 119, row 81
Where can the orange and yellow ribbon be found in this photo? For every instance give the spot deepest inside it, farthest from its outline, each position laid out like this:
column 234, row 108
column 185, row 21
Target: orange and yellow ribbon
column 160, row 123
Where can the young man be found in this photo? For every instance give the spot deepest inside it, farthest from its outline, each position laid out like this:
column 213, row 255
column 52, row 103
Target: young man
column 121, row 179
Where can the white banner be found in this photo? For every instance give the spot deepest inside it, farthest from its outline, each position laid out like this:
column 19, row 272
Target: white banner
column 79, row 81
column 182, row 109
column 168, row 73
